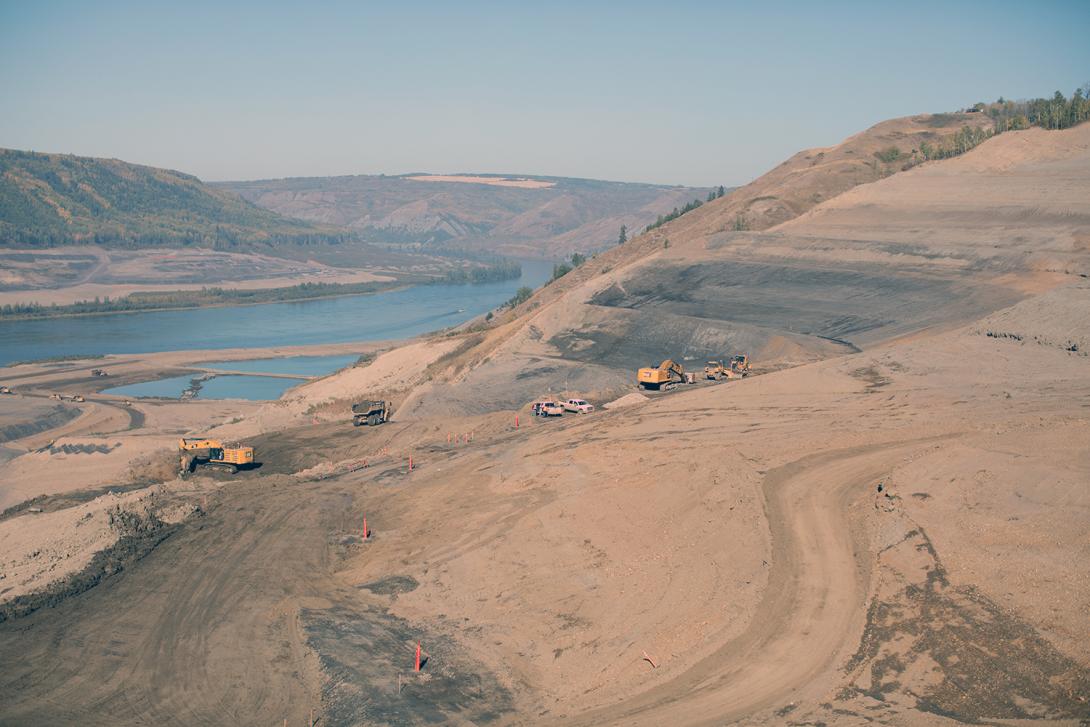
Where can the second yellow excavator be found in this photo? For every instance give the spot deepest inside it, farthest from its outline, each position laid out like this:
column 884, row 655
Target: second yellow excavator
column 213, row 453
column 665, row 376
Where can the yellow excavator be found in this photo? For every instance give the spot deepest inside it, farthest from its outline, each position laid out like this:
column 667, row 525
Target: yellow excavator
column 213, row 453
column 664, row 376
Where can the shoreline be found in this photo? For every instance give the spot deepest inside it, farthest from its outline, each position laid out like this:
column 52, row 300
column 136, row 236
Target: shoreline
column 194, row 358
column 390, row 287
column 53, row 316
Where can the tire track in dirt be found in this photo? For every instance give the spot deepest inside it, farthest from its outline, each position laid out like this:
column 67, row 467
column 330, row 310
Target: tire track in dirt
column 185, row 638
column 812, row 608
column 240, row 618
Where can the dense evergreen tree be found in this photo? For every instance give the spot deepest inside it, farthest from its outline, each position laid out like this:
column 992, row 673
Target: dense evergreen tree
column 521, row 295
column 674, row 214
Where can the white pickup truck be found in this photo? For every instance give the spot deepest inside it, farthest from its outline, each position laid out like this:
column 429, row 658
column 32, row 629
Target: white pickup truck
column 547, row 409
column 580, row 406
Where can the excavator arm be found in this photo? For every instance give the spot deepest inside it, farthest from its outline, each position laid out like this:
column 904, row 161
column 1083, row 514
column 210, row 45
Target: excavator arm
column 673, row 367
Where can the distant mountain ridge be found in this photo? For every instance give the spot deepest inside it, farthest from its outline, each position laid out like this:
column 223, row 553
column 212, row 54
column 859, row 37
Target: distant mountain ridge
column 510, row 214
column 61, row 199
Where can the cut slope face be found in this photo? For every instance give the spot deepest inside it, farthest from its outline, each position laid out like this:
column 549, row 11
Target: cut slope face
column 1018, row 202
column 931, row 248
column 53, row 199
column 953, row 592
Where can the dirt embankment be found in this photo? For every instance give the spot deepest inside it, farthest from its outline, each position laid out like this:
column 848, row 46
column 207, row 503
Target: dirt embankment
column 538, row 565
column 26, row 423
column 895, row 533
column 915, row 251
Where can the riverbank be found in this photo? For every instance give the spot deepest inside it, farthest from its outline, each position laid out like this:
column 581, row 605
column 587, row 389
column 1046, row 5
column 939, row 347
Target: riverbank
column 400, row 311
column 106, row 440
column 181, row 300
column 217, row 296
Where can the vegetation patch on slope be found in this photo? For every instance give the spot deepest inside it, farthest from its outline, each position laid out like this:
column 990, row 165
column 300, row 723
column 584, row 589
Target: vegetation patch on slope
column 60, row 199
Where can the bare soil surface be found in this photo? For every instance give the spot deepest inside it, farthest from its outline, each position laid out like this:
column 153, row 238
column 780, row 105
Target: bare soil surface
column 257, row 597
column 887, row 523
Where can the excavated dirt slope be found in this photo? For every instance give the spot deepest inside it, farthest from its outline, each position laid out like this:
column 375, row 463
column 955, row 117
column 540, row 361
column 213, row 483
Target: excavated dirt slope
column 893, row 534
column 931, row 248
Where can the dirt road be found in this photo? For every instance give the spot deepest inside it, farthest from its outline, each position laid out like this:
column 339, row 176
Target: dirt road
column 226, row 622
column 811, row 613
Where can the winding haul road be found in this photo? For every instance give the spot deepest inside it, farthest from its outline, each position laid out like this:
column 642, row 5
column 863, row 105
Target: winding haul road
column 812, row 612
column 206, row 630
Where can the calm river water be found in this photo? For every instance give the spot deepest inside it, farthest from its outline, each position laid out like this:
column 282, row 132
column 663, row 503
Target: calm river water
column 393, row 315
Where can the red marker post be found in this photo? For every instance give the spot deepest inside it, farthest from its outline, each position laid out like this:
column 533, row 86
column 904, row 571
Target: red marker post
column 410, row 463
column 516, row 421
column 417, row 665
column 366, row 532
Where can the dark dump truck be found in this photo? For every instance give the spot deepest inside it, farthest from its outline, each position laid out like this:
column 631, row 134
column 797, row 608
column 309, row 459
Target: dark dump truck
column 370, row 413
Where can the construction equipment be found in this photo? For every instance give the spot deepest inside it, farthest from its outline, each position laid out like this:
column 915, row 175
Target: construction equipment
column 715, row 370
column 98, row 372
column 664, row 376
column 213, row 453
column 740, row 364
column 370, row 413
column 6, row 390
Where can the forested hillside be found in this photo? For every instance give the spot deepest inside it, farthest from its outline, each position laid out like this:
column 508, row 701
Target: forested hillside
column 60, row 199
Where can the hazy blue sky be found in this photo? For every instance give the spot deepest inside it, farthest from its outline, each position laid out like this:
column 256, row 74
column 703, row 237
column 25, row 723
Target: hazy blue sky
column 677, row 92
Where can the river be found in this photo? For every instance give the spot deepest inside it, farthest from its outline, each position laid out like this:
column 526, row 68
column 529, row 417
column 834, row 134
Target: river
column 396, row 314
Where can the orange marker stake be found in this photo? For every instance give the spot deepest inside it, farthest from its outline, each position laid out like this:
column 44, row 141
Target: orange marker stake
column 366, row 532
column 516, row 421
column 410, row 463
column 417, row 666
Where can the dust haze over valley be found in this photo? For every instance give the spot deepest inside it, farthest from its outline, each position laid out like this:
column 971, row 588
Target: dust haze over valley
column 886, row 520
